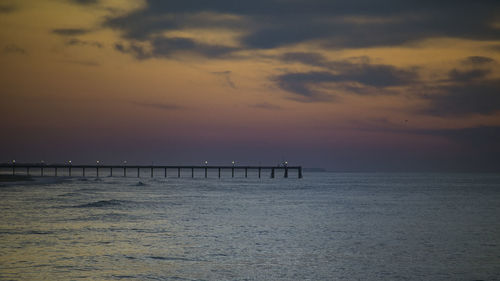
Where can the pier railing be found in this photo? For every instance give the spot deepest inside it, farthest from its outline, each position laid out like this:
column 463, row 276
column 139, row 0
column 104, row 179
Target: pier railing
column 124, row 170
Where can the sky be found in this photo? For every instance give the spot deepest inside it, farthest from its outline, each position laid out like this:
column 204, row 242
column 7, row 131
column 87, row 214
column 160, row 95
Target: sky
column 390, row 85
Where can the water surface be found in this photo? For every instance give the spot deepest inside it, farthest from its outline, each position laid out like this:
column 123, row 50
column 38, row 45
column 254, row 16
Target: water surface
column 327, row 226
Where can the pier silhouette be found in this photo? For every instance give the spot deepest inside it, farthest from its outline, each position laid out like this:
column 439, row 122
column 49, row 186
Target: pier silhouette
column 124, row 170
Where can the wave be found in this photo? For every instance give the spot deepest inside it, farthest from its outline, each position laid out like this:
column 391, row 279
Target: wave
column 69, row 194
column 108, row 217
column 101, row 204
column 28, row 232
column 170, row 258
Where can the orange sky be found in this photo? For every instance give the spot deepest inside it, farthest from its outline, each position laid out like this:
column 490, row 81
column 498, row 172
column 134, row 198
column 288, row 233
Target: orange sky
column 184, row 84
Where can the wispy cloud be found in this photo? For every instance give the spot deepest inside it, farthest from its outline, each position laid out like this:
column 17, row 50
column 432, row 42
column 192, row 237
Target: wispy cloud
column 70, row 31
column 227, row 77
column 266, row 105
column 477, row 60
column 14, row 49
column 162, row 106
column 82, row 62
column 78, row 42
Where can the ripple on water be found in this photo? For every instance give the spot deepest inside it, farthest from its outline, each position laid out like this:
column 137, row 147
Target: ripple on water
column 102, row 204
column 172, row 258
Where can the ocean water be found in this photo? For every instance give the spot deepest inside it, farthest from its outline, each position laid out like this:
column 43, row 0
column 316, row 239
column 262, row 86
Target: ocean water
column 327, row 226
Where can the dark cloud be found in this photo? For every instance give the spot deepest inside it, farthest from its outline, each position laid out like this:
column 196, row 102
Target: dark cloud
column 378, row 75
column 14, row 49
column 162, row 106
column 266, row 105
column 7, row 9
column 78, row 42
column 284, row 33
column 338, row 24
column 136, row 50
column 70, row 31
column 120, row 47
column 166, row 47
column 161, row 16
column 475, row 149
column 483, row 137
column 85, row 2
column 468, row 75
column 494, row 48
column 302, row 85
column 357, row 70
column 473, row 97
column 335, row 24
column 468, row 91
column 477, row 60
column 314, row 59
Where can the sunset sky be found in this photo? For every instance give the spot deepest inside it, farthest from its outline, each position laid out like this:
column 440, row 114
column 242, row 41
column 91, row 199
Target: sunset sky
column 344, row 85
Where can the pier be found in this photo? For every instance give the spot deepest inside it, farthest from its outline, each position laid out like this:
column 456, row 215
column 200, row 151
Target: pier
column 138, row 170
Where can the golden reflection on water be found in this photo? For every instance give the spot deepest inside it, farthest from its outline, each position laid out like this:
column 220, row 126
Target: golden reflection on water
column 58, row 244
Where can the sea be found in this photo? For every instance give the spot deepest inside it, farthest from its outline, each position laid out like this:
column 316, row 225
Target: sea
column 326, row 226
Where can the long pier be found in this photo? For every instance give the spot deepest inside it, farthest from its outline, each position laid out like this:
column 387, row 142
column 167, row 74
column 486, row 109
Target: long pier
column 124, row 170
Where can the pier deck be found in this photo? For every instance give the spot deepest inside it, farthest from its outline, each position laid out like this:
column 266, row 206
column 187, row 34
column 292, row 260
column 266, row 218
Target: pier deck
column 124, row 170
